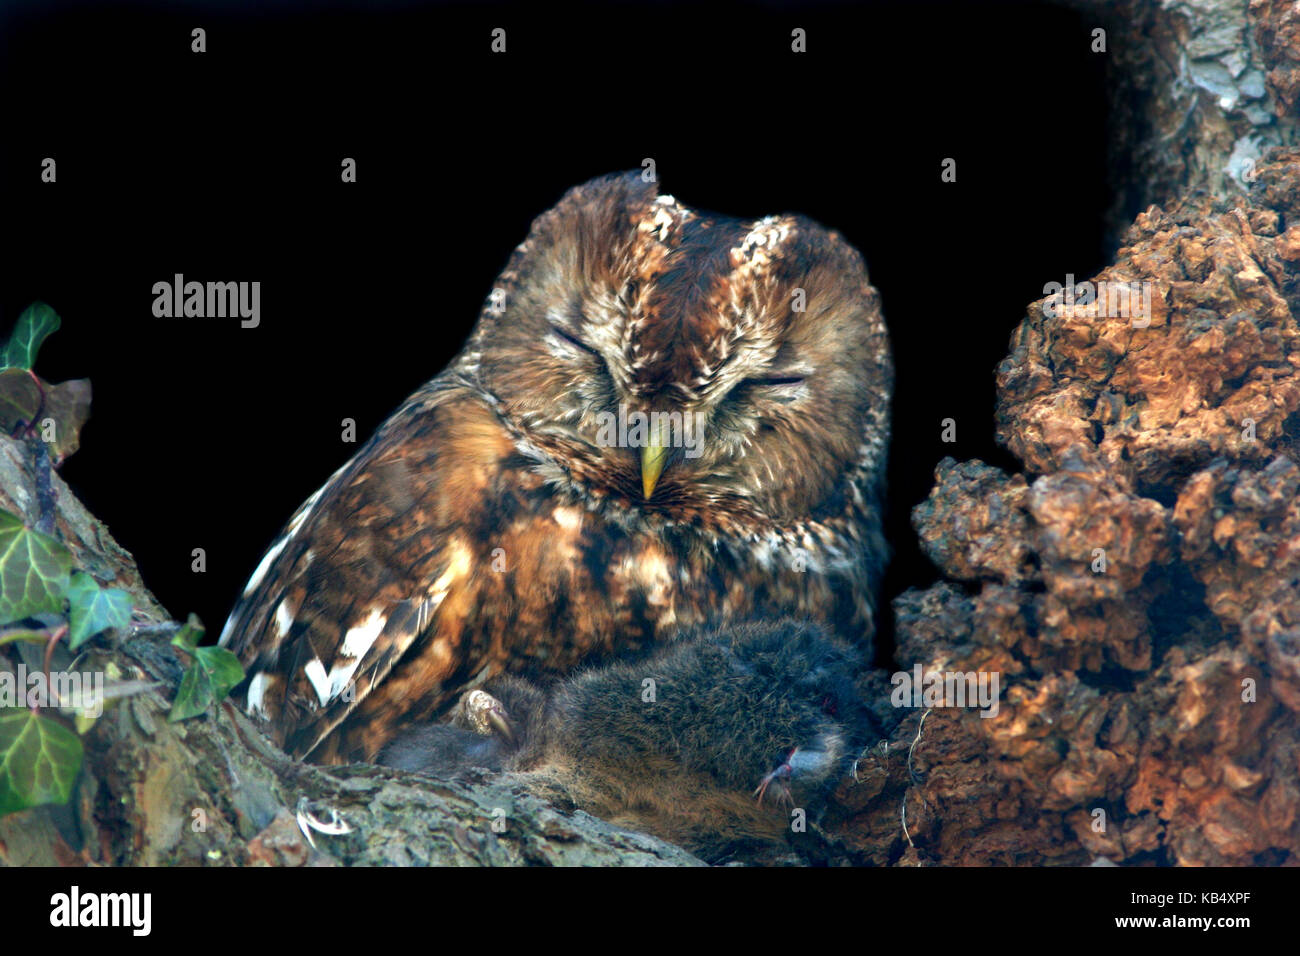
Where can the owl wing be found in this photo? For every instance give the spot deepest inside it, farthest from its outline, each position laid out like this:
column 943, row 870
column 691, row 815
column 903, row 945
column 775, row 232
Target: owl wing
column 361, row 569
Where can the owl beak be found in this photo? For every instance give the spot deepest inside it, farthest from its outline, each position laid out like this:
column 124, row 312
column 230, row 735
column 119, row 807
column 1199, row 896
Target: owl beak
column 653, row 458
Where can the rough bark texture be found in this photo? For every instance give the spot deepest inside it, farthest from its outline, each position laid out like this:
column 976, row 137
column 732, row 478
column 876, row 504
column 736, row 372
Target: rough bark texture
column 1164, row 688
column 1163, row 691
column 1199, row 89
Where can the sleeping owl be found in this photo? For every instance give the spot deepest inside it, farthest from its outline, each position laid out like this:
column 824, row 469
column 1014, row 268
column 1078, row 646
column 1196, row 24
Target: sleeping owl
column 663, row 420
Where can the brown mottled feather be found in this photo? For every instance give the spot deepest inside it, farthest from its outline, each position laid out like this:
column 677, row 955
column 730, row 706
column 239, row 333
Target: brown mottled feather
column 484, row 529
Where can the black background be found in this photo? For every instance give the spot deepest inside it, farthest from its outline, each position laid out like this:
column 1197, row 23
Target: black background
column 224, row 166
column 737, row 909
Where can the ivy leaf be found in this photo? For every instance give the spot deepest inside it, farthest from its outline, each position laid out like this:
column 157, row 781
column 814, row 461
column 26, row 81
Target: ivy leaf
column 36, row 322
column 189, row 635
column 25, row 397
column 68, row 403
column 35, row 571
column 213, row 672
column 39, row 761
column 94, row 609
column 20, row 399
column 206, row 682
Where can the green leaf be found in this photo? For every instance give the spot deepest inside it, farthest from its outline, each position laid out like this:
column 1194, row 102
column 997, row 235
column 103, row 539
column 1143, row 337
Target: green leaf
column 209, row 678
column 94, row 609
column 37, row 321
column 39, row 761
column 189, row 635
column 68, row 403
column 223, row 669
column 20, row 399
column 35, row 571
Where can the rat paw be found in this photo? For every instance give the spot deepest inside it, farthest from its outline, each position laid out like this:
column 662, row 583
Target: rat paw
column 777, row 783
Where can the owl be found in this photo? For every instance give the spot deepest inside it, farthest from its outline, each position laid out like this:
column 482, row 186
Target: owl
column 663, row 420
column 707, row 743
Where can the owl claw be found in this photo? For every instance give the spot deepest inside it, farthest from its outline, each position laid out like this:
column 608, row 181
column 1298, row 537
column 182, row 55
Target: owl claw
column 776, row 783
column 487, row 716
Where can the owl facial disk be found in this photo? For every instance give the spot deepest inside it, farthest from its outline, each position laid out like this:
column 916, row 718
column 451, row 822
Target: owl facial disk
column 765, row 333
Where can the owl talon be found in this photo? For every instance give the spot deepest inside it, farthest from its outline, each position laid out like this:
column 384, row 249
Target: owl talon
column 488, row 717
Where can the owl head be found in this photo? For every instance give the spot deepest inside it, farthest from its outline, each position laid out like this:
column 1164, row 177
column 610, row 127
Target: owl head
column 688, row 365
